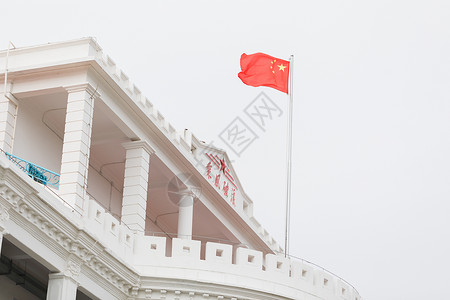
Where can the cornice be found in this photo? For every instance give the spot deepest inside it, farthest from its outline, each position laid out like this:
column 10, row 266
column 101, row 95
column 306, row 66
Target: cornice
column 62, row 238
column 16, row 189
column 152, row 286
column 26, row 49
column 103, row 282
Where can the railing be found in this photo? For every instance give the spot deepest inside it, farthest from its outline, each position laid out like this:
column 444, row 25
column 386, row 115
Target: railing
column 39, row 174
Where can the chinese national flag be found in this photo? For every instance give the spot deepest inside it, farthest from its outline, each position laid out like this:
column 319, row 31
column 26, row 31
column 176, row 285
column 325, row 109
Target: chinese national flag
column 260, row 69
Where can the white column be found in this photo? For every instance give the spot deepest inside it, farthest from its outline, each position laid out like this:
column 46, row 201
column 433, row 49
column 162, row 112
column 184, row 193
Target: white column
column 134, row 202
column 7, row 123
column 77, row 142
column 1, row 241
column 61, row 287
column 185, row 217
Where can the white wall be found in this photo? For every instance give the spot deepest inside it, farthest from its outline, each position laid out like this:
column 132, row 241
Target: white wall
column 150, row 226
column 100, row 188
column 34, row 141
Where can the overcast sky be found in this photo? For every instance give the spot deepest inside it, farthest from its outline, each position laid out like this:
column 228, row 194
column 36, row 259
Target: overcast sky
column 371, row 166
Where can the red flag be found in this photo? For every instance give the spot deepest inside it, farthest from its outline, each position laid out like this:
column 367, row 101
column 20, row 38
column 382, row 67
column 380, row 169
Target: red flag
column 260, row 69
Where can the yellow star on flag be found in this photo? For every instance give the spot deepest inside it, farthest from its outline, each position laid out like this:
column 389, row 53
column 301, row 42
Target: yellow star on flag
column 281, row 67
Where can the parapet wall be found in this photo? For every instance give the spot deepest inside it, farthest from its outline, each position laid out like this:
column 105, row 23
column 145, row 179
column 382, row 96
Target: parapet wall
column 222, row 264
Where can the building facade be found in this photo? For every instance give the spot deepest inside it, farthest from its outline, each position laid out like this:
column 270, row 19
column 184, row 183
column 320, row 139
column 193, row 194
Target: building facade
column 101, row 198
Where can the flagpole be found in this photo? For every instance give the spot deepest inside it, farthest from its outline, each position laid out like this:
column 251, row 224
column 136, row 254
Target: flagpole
column 289, row 156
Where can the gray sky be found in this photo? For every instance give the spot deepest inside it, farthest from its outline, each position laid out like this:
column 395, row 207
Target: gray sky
column 371, row 166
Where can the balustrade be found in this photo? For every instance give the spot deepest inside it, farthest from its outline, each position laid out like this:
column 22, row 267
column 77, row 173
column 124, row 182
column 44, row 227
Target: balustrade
column 38, row 173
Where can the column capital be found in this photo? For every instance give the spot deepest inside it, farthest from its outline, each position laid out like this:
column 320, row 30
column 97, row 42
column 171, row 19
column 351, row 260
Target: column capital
column 83, row 87
column 73, row 268
column 62, row 276
column 139, row 145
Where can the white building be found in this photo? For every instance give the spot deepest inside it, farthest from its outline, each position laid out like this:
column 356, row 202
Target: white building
column 133, row 209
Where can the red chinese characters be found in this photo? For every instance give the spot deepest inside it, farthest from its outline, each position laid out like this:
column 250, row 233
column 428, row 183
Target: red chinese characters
column 217, row 181
column 225, row 188
column 208, row 170
column 233, row 195
column 226, row 183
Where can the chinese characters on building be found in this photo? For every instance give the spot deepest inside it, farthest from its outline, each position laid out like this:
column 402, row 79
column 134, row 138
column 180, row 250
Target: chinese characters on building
column 220, row 176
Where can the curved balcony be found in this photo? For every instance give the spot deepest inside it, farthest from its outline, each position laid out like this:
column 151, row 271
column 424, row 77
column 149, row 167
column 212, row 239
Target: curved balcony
column 154, row 267
column 244, row 272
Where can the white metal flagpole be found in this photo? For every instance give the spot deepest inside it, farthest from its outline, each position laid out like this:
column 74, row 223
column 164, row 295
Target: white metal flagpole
column 289, row 156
